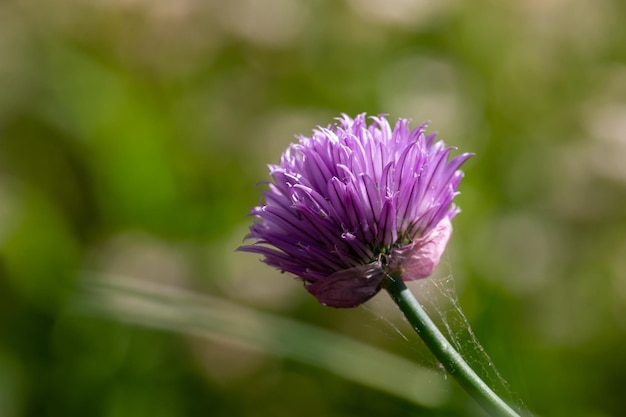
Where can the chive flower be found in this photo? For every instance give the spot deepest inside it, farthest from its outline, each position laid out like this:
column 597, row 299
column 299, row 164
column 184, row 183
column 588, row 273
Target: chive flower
column 356, row 202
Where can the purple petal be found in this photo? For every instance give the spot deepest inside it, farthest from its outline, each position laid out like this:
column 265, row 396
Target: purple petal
column 349, row 287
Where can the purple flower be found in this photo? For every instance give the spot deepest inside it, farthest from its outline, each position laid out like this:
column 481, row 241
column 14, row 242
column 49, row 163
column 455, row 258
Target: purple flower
column 353, row 203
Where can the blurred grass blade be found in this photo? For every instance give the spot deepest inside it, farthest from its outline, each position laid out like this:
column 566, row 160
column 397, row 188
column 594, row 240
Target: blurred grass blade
column 162, row 307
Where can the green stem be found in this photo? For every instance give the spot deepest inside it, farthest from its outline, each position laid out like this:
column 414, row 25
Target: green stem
column 444, row 351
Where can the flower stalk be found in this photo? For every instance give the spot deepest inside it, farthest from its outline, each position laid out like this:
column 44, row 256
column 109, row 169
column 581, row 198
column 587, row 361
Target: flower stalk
column 445, row 353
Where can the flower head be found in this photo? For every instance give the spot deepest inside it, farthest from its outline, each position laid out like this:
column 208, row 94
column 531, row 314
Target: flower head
column 355, row 202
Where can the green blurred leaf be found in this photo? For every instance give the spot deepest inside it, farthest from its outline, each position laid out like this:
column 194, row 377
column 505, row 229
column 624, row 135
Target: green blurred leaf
column 209, row 317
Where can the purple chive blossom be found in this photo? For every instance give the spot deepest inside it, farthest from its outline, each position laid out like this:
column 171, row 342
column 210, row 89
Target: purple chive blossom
column 353, row 203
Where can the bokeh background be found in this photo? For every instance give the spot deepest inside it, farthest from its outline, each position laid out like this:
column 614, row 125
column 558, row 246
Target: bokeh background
column 133, row 132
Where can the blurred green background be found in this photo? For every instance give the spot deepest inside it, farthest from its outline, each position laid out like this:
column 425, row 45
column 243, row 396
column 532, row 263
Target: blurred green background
column 133, row 132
